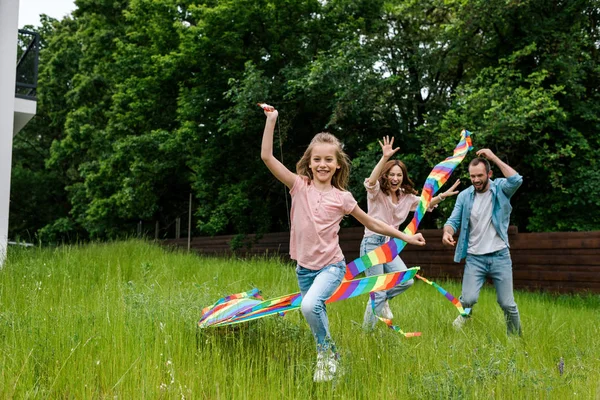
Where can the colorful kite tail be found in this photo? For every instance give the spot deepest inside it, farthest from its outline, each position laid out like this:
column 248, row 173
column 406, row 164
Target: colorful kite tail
column 463, row 311
column 396, row 328
column 390, row 323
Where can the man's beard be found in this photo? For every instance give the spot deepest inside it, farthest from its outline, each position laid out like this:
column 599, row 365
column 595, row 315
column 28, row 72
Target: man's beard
column 483, row 186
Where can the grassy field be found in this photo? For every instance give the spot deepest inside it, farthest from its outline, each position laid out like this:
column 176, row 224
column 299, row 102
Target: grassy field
column 119, row 321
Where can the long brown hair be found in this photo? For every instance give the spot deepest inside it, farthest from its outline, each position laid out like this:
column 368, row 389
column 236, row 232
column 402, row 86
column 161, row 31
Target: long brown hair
column 407, row 185
column 341, row 175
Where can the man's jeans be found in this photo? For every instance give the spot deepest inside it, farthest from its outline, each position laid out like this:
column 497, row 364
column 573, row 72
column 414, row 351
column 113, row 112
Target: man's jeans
column 370, row 243
column 316, row 287
column 498, row 267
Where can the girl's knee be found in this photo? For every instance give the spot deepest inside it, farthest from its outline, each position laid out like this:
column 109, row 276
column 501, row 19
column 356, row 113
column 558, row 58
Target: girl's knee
column 306, row 307
column 310, row 306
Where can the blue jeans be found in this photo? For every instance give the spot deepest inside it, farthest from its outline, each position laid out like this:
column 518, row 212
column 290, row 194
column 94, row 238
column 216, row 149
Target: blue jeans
column 498, row 267
column 370, row 243
column 316, row 287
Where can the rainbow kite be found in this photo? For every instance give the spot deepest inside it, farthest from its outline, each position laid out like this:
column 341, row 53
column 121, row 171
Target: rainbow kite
column 247, row 306
column 229, row 306
column 241, row 308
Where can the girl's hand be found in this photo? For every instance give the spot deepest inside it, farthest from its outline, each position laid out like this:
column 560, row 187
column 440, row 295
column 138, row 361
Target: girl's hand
column 270, row 111
column 271, row 115
column 265, row 106
column 417, row 239
column 387, row 147
column 451, row 191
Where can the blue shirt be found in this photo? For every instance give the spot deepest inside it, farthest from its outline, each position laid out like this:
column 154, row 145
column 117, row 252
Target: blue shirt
column 502, row 190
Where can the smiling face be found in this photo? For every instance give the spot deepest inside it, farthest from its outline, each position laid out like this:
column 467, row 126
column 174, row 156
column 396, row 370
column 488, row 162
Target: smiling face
column 479, row 178
column 323, row 162
column 325, row 152
column 395, row 177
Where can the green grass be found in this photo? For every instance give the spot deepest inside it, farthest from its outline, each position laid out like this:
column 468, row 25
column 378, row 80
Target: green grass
column 119, row 321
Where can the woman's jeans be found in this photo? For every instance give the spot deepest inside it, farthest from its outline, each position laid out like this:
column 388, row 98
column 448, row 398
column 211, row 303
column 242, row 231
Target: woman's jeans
column 370, row 243
column 316, row 287
column 498, row 267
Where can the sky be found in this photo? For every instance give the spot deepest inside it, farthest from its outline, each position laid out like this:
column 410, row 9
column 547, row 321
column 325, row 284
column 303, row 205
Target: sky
column 30, row 10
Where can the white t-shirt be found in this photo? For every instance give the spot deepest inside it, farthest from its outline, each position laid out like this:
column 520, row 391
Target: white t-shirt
column 483, row 238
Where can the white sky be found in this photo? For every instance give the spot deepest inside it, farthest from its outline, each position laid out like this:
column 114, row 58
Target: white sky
column 30, row 10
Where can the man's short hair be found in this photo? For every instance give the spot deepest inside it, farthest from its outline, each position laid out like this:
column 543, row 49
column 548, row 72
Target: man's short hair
column 476, row 161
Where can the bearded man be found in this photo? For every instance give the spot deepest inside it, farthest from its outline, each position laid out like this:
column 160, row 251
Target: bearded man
column 482, row 212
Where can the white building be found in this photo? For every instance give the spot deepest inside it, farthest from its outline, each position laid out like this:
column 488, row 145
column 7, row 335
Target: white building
column 14, row 112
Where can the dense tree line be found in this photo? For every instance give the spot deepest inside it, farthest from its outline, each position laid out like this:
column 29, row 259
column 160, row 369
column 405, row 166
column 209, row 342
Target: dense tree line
column 141, row 102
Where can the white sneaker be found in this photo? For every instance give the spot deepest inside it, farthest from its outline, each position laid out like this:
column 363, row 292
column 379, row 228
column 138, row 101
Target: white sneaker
column 327, row 366
column 369, row 319
column 459, row 322
column 386, row 311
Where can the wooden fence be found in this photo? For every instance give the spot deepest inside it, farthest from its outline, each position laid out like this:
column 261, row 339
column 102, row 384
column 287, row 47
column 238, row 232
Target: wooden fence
column 563, row 262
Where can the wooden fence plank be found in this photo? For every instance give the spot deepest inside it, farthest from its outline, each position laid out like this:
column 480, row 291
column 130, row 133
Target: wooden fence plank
column 518, row 257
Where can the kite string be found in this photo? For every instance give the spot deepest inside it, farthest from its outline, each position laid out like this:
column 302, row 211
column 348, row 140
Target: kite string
column 285, row 192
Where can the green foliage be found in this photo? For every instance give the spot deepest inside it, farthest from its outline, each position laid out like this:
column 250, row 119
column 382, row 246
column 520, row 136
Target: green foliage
column 60, row 231
column 532, row 109
column 38, row 194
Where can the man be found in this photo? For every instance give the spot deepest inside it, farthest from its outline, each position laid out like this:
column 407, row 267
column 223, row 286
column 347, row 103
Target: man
column 483, row 214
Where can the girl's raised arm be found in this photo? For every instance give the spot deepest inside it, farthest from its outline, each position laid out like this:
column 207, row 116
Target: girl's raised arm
column 275, row 166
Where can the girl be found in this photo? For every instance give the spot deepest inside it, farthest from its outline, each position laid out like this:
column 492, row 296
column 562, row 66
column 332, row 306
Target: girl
column 390, row 197
column 319, row 202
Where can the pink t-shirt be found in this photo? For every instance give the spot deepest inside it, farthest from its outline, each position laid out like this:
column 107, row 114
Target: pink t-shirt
column 382, row 208
column 316, row 217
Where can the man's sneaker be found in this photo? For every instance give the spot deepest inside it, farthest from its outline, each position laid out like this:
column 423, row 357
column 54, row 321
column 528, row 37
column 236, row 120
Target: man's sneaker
column 327, row 366
column 369, row 319
column 459, row 322
column 386, row 312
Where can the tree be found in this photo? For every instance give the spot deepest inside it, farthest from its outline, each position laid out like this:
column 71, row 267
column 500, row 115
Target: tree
column 38, row 198
column 537, row 108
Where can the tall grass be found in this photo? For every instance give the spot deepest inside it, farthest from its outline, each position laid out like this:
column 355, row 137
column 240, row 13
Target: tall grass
column 119, row 321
